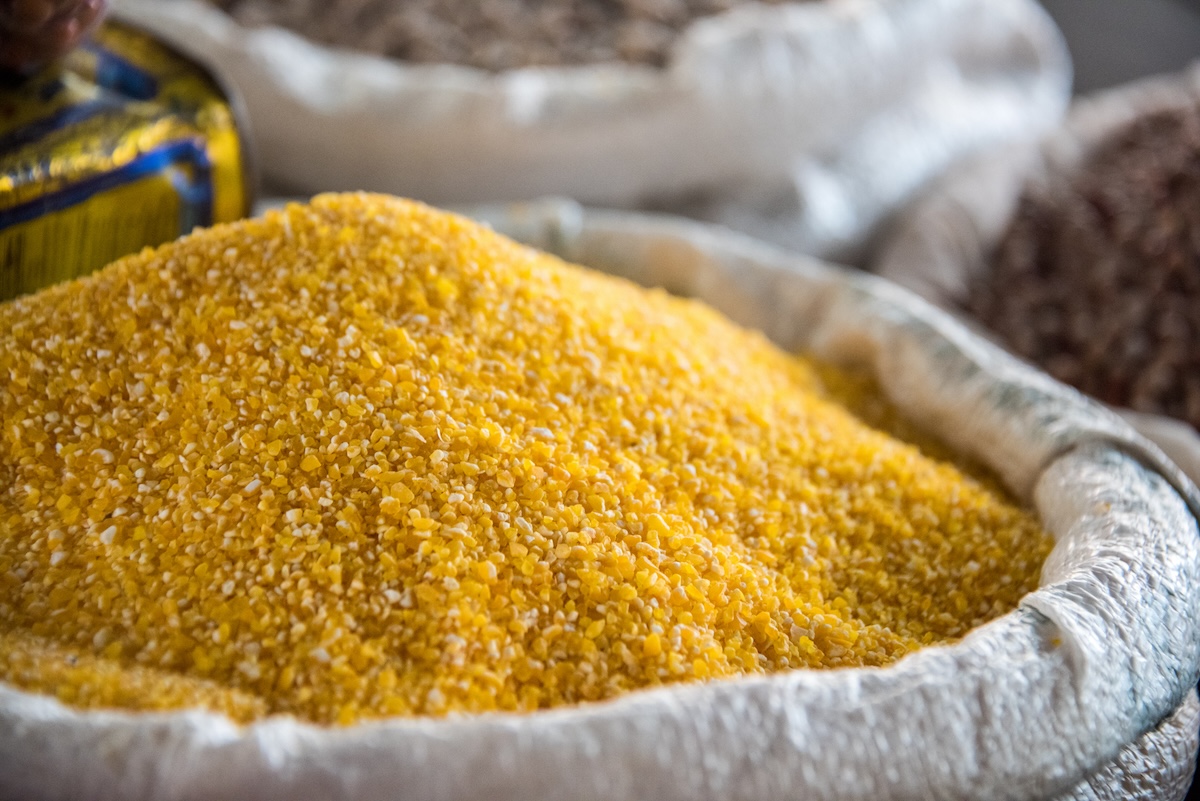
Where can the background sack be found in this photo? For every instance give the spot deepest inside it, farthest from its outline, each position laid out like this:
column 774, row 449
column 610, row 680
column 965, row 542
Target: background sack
column 1085, row 691
column 944, row 241
column 805, row 124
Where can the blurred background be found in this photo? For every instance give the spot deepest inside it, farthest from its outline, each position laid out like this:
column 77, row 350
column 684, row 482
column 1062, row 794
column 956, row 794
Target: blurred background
column 1113, row 41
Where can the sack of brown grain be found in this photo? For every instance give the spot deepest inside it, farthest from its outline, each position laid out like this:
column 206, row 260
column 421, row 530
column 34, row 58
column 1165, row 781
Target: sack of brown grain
column 1081, row 253
column 805, row 123
column 1082, row 692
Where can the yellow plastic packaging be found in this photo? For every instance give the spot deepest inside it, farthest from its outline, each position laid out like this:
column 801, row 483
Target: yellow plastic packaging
column 126, row 144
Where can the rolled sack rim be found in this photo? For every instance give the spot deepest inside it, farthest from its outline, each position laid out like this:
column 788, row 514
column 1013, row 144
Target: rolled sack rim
column 1025, row 706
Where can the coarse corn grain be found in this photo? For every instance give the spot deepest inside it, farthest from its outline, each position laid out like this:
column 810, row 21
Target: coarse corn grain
column 364, row 458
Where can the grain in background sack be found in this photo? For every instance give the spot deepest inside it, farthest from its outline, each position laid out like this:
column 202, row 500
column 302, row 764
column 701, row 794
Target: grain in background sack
column 1120, row 321
column 805, row 123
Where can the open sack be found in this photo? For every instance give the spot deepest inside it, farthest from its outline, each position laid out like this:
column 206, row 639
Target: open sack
column 806, row 124
column 945, row 240
column 1083, row 692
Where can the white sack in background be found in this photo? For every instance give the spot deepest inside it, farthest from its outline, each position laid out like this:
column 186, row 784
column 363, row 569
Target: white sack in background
column 803, row 124
column 1084, row 692
column 945, row 239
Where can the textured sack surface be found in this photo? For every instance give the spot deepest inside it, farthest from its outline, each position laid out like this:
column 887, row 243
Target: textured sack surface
column 944, row 240
column 805, row 124
column 1159, row 766
column 1027, row 707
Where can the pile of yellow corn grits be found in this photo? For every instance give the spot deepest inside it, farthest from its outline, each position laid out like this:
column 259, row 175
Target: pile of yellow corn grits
column 364, row 458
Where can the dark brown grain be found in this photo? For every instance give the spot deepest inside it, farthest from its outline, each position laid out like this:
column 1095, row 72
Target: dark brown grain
column 493, row 35
column 1098, row 277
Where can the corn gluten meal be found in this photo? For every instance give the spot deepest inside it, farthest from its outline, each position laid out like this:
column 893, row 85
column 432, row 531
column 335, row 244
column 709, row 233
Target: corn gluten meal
column 363, row 458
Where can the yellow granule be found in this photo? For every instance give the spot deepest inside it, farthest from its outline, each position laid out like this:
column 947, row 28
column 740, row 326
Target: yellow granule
column 366, row 458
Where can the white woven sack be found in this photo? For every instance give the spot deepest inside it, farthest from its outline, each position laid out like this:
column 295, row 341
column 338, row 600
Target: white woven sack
column 946, row 238
column 1083, row 692
column 805, row 124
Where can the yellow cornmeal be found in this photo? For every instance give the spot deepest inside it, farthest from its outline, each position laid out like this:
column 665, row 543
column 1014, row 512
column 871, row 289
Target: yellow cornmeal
column 366, row 458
